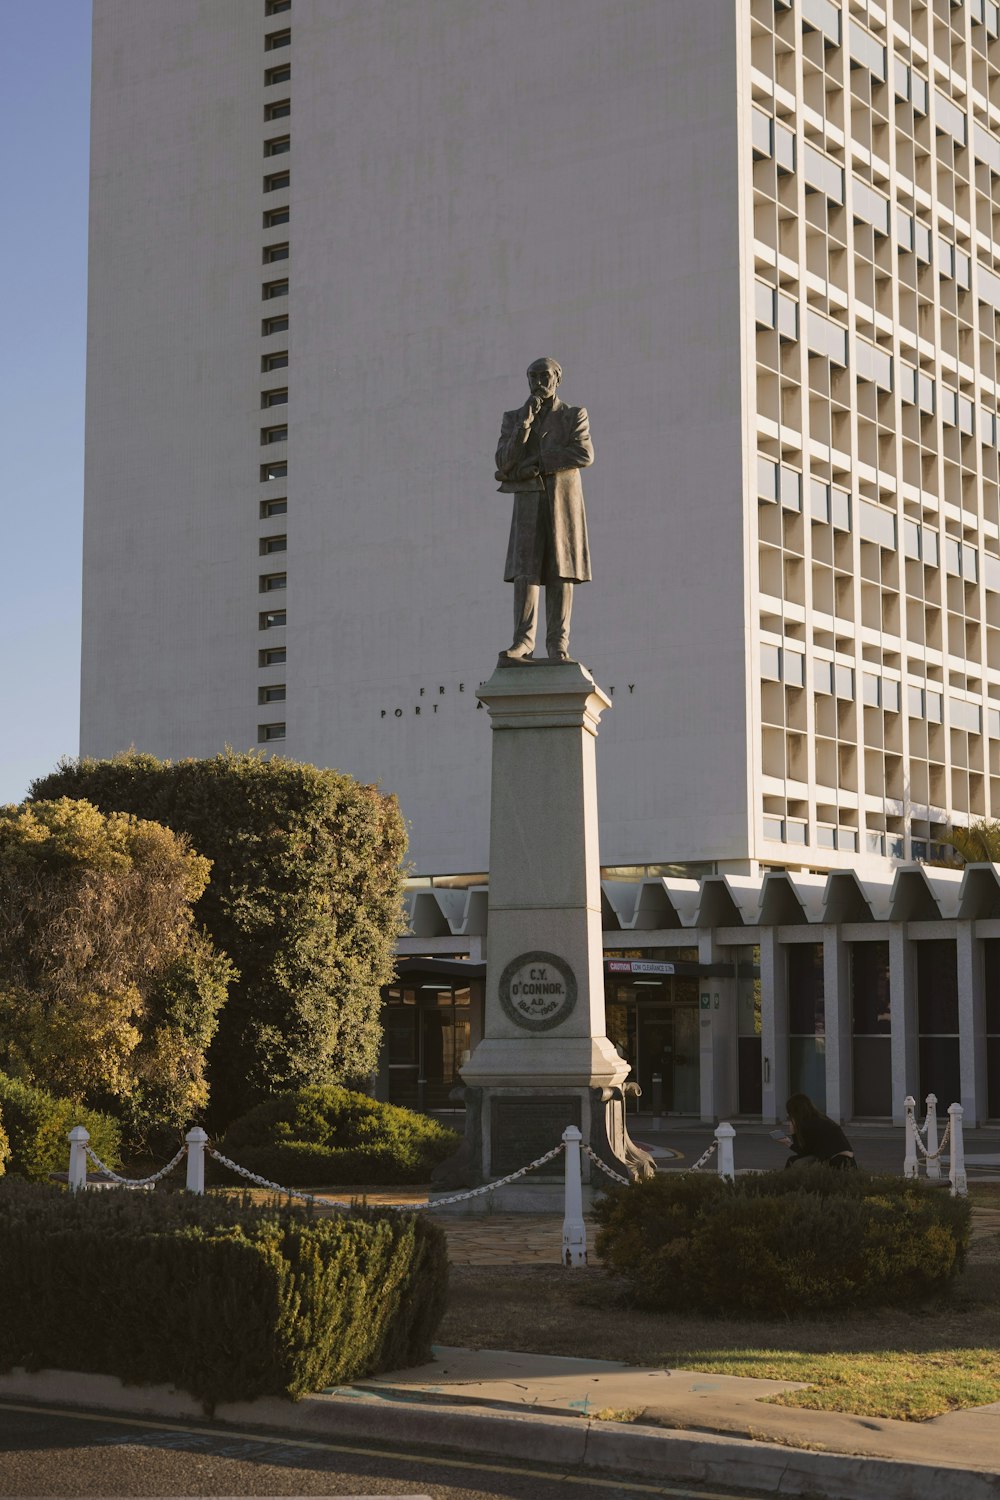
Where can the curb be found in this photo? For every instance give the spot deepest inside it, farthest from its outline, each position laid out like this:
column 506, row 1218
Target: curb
column 578, row 1442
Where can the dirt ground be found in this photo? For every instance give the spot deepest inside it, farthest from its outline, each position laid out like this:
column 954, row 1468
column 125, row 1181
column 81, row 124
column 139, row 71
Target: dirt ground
column 586, row 1313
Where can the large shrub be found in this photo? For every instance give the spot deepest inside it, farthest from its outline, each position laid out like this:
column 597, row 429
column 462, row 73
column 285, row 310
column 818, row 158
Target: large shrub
column 781, row 1243
column 305, row 897
column 108, row 992
column 4, row 1147
column 329, row 1136
column 222, row 1299
column 37, row 1124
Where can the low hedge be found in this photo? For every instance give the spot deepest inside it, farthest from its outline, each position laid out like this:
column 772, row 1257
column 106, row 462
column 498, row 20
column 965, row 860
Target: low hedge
column 223, row 1299
column 328, row 1136
column 784, row 1243
column 38, row 1123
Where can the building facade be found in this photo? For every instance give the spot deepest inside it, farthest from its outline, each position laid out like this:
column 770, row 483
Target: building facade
column 763, row 239
column 730, row 993
column 327, row 239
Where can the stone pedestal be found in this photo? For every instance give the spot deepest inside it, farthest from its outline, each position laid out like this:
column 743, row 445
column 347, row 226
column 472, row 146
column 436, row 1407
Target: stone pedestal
column 544, row 1061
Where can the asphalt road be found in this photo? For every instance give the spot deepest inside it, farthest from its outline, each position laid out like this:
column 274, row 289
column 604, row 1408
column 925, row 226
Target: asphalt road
column 50, row 1452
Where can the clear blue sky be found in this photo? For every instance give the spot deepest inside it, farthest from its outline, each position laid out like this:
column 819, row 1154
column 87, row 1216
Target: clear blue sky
column 44, row 266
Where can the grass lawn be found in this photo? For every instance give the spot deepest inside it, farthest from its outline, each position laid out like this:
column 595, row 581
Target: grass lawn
column 908, row 1364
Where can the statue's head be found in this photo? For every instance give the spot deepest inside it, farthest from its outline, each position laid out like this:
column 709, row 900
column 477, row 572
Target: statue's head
column 544, row 376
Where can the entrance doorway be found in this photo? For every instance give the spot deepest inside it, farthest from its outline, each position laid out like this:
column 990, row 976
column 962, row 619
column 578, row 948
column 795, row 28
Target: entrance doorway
column 654, row 1024
column 428, row 1038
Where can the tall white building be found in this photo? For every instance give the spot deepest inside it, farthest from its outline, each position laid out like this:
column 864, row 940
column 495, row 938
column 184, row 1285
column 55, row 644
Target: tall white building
column 327, row 238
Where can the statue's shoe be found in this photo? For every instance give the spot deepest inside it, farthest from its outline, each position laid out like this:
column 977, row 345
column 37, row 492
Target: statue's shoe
column 516, row 654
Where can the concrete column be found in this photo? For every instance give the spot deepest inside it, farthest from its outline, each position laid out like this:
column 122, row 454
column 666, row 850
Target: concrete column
column 903, row 1016
column 544, row 1061
column 971, row 1023
column 716, row 1029
column 837, row 1010
column 544, row 1011
column 196, row 1143
column 773, row 1025
column 78, row 1139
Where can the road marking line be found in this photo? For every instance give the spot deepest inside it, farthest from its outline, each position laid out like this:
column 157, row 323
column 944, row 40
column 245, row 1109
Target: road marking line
column 315, row 1445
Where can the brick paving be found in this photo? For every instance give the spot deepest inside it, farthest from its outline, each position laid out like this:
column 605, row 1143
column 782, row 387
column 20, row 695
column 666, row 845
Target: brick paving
column 536, row 1239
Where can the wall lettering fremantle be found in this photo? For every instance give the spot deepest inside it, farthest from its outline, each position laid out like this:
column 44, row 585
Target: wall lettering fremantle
column 431, row 701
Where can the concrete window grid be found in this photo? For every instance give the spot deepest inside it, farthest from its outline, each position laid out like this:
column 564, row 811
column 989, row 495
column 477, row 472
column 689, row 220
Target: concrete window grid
column 271, row 396
column 908, row 304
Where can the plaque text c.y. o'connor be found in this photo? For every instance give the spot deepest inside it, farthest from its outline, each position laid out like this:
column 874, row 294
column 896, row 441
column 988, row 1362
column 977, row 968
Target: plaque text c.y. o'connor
column 537, row 990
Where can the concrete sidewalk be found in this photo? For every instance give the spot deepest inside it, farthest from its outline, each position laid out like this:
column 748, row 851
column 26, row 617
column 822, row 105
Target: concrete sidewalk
column 682, row 1399
column 538, row 1409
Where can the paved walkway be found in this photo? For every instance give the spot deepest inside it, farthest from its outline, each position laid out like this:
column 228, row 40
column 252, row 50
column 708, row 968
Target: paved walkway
column 536, row 1239
column 727, row 1404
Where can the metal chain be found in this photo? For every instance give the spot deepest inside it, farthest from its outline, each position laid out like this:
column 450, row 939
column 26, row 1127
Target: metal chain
column 704, row 1157
column 265, row 1182
column 933, row 1155
column 615, row 1176
column 488, row 1187
column 135, row 1181
column 400, row 1207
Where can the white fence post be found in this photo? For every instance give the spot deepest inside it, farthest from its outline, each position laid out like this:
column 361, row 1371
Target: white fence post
column 933, row 1160
column 78, row 1139
column 196, row 1140
column 574, row 1241
column 725, row 1135
column 910, row 1159
column 956, row 1162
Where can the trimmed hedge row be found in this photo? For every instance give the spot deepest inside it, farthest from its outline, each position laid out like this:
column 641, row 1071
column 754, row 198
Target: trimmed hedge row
column 785, row 1243
column 223, row 1299
column 328, row 1136
column 37, row 1124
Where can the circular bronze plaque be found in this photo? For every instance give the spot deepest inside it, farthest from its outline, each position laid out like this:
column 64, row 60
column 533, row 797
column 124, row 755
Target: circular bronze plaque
column 537, row 991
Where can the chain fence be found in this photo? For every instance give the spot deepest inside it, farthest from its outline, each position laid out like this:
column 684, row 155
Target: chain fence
column 488, row 1187
column 704, row 1157
column 287, row 1192
column 608, row 1172
column 933, row 1155
column 257, row 1180
column 265, row 1182
column 135, row 1182
column 478, row 1192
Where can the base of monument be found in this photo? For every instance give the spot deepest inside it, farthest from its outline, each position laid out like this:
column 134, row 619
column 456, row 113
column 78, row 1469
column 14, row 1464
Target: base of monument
column 508, row 1127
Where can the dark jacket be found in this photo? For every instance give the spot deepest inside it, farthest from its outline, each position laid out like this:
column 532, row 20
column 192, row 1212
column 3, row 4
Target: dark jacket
column 561, row 437
column 821, row 1138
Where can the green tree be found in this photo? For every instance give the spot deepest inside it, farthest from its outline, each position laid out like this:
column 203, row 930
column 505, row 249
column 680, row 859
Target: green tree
column 305, row 897
column 978, row 843
column 109, row 994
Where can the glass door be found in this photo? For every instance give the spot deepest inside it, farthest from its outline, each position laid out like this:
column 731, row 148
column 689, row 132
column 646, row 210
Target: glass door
column 749, row 1096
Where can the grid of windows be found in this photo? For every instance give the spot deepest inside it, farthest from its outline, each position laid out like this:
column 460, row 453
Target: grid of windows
column 274, row 251
column 876, row 229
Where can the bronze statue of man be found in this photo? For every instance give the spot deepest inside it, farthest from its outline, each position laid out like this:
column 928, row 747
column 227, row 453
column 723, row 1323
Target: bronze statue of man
column 543, row 446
